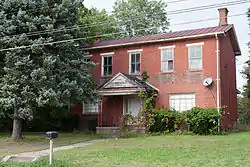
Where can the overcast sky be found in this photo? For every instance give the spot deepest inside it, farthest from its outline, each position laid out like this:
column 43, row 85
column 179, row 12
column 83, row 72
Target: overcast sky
column 240, row 22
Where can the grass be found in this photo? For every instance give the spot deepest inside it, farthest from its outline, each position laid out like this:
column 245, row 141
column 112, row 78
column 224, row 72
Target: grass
column 37, row 141
column 232, row 150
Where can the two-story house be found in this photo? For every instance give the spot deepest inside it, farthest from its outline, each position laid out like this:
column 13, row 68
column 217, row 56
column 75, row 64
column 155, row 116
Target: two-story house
column 177, row 63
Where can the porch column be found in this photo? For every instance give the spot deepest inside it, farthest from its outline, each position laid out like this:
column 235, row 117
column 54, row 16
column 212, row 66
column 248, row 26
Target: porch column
column 100, row 112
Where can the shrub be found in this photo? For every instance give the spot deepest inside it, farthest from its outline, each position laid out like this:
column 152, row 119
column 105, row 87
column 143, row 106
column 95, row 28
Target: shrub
column 202, row 120
column 164, row 120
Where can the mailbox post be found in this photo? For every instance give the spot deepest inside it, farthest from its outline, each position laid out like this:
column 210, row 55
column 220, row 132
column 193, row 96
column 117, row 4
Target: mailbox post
column 51, row 135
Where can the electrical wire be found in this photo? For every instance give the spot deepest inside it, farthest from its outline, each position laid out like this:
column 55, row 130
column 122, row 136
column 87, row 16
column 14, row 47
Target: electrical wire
column 90, row 37
column 134, row 19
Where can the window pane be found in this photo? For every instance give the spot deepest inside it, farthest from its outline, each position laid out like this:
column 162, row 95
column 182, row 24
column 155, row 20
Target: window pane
column 164, row 55
column 105, row 70
column 91, row 107
column 132, row 68
column 182, row 102
column 198, row 52
column 109, row 60
column 170, row 65
column 137, row 68
column 110, row 70
column 132, row 58
column 195, row 63
column 164, row 66
column 105, row 61
column 138, row 57
column 170, row 54
column 195, row 52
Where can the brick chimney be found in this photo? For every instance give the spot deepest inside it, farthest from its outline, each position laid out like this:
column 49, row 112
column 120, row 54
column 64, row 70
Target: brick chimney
column 223, row 16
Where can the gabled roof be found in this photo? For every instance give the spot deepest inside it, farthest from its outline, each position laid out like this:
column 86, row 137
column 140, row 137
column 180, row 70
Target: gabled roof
column 124, row 83
column 171, row 36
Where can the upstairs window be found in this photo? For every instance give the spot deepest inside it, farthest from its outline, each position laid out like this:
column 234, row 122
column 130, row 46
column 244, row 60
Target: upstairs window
column 107, row 63
column 195, row 56
column 167, row 59
column 135, row 61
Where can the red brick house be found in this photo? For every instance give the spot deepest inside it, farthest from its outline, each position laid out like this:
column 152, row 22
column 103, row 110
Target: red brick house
column 177, row 63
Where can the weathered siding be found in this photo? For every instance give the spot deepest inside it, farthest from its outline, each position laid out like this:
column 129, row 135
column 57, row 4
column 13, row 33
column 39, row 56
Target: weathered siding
column 228, row 82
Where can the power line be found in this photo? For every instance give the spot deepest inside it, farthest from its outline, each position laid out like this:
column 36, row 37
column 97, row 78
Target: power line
column 176, row 1
column 90, row 37
column 189, row 22
column 48, row 7
column 138, row 18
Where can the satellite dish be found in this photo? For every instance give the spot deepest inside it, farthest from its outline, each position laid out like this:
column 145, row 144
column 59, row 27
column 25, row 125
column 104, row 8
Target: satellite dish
column 207, row 82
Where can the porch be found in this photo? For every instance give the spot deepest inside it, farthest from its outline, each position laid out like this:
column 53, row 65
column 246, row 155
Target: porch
column 119, row 96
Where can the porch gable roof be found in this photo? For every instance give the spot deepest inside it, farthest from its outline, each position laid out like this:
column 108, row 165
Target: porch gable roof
column 122, row 84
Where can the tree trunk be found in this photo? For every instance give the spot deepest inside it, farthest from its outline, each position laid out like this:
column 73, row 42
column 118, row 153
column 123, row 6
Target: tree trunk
column 17, row 129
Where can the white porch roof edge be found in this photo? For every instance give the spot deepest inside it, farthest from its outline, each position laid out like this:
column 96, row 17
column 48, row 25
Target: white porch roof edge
column 118, row 92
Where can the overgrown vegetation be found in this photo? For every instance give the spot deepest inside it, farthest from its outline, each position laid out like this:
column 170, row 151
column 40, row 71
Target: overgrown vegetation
column 202, row 121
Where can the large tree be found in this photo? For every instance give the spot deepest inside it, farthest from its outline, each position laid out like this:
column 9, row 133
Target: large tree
column 97, row 22
column 140, row 17
column 44, row 74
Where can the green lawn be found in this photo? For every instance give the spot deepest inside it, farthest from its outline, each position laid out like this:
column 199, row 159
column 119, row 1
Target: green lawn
column 231, row 150
column 37, row 141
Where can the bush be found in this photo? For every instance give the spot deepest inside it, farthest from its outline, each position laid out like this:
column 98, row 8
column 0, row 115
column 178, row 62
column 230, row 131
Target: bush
column 164, row 120
column 202, row 120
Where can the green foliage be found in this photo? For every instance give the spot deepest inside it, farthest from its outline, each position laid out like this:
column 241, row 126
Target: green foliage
column 132, row 15
column 164, row 121
column 197, row 120
column 243, row 110
column 45, row 119
column 202, row 120
column 96, row 23
column 42, row 75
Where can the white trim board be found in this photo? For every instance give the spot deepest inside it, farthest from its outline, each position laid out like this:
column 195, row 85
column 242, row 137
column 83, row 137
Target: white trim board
column 166, row 47
column 107, row 54
column 137, row 50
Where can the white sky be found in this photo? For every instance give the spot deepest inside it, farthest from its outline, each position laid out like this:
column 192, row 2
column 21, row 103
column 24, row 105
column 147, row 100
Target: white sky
column 240, row 22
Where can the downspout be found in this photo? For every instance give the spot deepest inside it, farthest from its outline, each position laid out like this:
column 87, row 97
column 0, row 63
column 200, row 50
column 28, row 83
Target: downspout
column 218, row 78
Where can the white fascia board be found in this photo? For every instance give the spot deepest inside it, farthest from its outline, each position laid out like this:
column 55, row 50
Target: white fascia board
column 195, row 44
column 167, row 47
column 137, row 50
column 109, row 53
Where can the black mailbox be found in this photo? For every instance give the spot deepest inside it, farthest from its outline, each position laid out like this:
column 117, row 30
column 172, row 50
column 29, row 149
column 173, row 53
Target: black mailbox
column 52, row 135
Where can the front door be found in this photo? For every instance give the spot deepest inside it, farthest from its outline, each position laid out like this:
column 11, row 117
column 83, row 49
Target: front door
column 132, row 105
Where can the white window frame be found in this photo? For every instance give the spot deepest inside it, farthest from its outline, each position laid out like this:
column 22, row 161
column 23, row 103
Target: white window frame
column 106, row 55
column 189, row 46
column 167, row 48
column 131, row 52
column 190, row 103
column 94, row 105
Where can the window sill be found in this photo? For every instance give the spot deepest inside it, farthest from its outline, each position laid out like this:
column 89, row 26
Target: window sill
column 106, row 76
column 197, row 70
column 138, row 74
